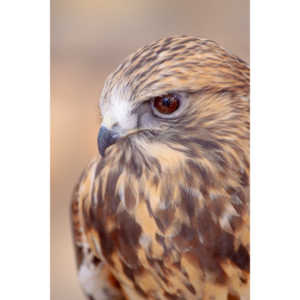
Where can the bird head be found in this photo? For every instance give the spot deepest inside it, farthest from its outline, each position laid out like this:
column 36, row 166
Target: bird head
column 174, row 101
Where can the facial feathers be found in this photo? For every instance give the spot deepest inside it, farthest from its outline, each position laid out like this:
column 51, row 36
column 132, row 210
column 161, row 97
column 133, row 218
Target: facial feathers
column 166, row 207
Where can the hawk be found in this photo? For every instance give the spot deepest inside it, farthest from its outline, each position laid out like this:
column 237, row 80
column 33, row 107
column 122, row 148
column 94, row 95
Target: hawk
column 163, row 212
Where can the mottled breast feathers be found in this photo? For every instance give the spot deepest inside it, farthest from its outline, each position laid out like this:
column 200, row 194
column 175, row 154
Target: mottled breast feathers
column 164, row 214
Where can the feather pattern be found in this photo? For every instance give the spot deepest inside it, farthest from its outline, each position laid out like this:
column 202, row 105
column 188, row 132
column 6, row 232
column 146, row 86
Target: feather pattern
column 165, row 213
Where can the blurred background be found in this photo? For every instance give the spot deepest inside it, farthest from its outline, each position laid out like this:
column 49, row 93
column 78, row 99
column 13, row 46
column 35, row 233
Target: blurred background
column 89, row 38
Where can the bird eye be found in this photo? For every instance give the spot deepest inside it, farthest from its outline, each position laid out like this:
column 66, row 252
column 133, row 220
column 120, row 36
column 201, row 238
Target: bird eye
column 166, row 104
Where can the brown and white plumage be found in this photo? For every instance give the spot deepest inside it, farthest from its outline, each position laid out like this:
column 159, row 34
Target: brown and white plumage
column 164, row 214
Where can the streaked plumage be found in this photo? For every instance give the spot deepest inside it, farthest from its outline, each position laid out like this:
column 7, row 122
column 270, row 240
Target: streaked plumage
column 164, row 214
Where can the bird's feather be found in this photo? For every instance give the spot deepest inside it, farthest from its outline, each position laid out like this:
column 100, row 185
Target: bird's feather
column 165, row 213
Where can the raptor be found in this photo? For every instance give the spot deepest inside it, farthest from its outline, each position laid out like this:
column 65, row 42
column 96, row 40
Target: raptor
column 163, row 212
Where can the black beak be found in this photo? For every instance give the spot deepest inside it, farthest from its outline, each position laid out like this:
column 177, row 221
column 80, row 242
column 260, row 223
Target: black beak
column 106, row 138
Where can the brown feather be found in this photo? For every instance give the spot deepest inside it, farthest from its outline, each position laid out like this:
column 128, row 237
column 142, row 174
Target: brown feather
column 167, row 210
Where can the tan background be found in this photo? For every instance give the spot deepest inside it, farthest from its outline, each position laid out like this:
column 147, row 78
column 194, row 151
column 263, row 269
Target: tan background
column 89, row 39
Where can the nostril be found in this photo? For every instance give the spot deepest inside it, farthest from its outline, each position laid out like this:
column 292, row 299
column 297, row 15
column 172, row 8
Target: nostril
column 114, row 126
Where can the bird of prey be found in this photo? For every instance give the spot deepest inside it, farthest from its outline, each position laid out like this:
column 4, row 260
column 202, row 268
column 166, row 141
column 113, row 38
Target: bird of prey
column 163, row 212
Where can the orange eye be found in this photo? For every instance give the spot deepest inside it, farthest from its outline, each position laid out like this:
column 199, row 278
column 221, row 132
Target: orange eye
column 166, row 104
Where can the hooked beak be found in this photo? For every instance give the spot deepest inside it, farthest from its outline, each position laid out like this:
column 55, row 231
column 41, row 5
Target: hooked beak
column 106, row 138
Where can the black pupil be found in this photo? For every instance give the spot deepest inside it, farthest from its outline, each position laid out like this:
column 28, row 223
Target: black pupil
column 166, row 101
